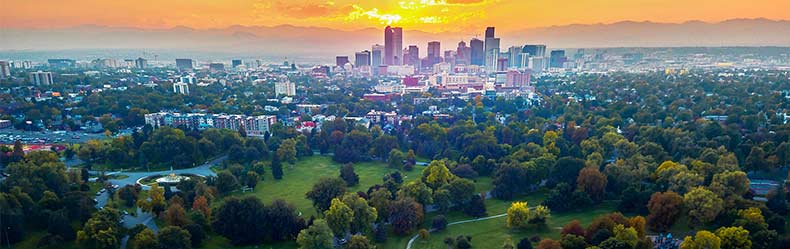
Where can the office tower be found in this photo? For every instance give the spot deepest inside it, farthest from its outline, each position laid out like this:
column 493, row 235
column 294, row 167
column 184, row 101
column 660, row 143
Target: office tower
column 216, row 67
column 397, row 37
column 434, row 53
column 284, row 87
column 235, row 63
column 502, row 64
column 557, row 58
column 140, row 63
column 517, row 79
column 181, row 88
column 462, row 54
column 41, row 78
column 514, row 56
column 393, row 46
column 489, row 32
column 62, row 63
column 341, row 61
column 375, row 55
column 184, row 64
column 492, row 53
column 362, row 58
column 5, row 69
column 535, row 50
column 476, row 53
column 412, row 56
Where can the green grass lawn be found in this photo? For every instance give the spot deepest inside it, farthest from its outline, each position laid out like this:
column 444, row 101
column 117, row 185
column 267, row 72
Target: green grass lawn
column 493, row 233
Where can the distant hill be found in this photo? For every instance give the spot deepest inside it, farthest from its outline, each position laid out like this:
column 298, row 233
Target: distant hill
column 315, row 43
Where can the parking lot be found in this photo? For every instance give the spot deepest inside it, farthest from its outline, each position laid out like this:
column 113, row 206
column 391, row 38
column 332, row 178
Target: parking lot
column 9, row 136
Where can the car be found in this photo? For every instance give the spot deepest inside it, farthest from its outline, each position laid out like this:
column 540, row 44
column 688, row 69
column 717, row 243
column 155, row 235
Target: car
column 95, row 201
column 125, row 212
column 98, row 193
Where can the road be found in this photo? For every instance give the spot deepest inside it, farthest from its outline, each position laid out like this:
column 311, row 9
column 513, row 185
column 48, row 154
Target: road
column 203, row 170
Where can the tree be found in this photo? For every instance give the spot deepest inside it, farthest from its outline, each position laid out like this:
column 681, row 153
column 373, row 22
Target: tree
column 702, row 240
column 380, row 199
column 730, row 184
column 734, row 238
column 524, row 244
column 592, row 182
column 573, row 242
column 383, row 144
column 540, row 215
column 566, row 170
column 549, row 244
column 364, row 215
column 251, row 179
column 201, row 206
column 518, row 215
column 424, row 234
column 574, row 228
column 461, row 191
column 129, row 194
column 173, row 237
column 626, row 234
column 437, row 174
column 418, row 191
column 176, row 215
column 442, row 200
column 664, row 209
column 145, row 239
column 196, row 234
column 287, row 151
column 439, row 223
column 463, row 242
column 339, row 217
column 102, row 230
column 242, row 221
column 476, row 207
column 317, row 236
column 348, row 175
column 360, row 242
column 285, row 220
column 756, row 159
column 277, row 167
column 405, row 215
column 324, row 191
column 156, row 204
column 703, row 205
column 395, row 159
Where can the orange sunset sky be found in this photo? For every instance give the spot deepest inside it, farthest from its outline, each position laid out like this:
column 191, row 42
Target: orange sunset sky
column 426, row 15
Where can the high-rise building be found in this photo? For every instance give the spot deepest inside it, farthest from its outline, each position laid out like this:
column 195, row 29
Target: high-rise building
column 140, row 63
column 184, row 64
column 491, row 49
column 462, row 54
column 62, row 63
column 5, row 69
column 535, row 50
column 514, row 57
column 557, row 59
column 434, row 54
column 476, row 53
column 341, row 61
column 517, row 79
column 216, row 67
column 235, row 63
column 362, row 58
column 284, row 87
column 41, row 78
column 181, row 88
column 502, row 64
column 393, row 46
column 375, row 55
column 412, row 56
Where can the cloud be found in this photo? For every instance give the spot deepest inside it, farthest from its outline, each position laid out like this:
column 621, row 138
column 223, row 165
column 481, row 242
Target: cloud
column 303, row 9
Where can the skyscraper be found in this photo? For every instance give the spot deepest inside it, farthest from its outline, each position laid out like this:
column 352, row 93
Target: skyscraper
column 462, row 54
column 140, row 63
column 514, row 57
column 557, row 58
column 341, row 61
column 412, row 57
column 184, row 64
column 5, row 69
column 476, row 53
column 375, row 55
column 491, row 49
column 235, row 63
column 434, row 53
column 41, row 78
column 393, row 46
column 535, row 50
column 362, row 58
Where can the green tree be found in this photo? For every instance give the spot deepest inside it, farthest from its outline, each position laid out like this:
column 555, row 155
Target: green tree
column 734, row 238
column 348, row 175
column 173, row 237
column 364, row 215
column 324, row 191
column 287, row 151
column 730, row 184
column 360, row 242
column 437, row 174
column 277, row 167
column 339, row 217
column 145, row 239
column 702, row 240
column 102, row 230
column 155, row 202
column 395, row 159
column 317, row 236
column 703, row 205
column 418, row 191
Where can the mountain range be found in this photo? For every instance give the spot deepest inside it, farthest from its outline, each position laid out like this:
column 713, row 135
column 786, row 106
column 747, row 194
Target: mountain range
column 322, row 44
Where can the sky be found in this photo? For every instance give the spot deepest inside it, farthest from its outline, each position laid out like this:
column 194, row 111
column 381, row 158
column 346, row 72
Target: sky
column 424, row 15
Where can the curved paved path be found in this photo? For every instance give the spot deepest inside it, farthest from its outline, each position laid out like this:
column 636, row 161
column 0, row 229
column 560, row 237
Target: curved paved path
column 204, row 170
column 411, row 241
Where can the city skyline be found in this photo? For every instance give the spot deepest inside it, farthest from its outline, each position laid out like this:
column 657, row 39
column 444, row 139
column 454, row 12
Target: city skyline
column 453, row 15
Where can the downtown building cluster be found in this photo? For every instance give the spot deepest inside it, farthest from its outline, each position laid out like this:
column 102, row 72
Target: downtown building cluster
column 256, row 126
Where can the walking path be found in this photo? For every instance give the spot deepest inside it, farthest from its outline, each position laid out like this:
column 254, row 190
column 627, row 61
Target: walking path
column 411, row 241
